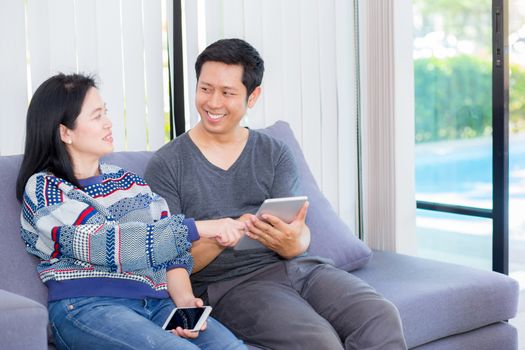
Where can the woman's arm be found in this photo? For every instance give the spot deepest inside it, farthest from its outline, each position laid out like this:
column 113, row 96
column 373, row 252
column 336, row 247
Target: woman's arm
column 74, row 225
column 227, row 231
column 180, row 291
column 179, row 288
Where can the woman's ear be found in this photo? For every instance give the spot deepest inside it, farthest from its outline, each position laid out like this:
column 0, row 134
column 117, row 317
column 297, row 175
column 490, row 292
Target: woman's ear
column 254, row 96
column 65, row 134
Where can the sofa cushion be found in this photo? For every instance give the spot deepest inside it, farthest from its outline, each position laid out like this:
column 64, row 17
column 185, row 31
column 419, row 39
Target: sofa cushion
column 501, row 336
column 437, row 299
column 331, row 237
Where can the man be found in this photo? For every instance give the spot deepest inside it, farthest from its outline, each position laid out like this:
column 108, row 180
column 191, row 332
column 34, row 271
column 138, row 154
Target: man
column 276, row 297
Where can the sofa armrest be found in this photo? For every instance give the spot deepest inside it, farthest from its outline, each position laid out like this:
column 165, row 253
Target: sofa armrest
column 23, row 322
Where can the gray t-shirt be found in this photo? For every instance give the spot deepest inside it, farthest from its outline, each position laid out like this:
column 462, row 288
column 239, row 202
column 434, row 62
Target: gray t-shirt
column 193, row 186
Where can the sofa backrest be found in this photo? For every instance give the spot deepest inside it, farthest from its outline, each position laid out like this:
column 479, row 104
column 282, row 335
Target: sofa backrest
column 17, row 267
column 133, row 161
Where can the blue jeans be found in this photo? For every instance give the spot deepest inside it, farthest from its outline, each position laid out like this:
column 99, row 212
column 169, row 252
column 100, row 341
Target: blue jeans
column 118, row 323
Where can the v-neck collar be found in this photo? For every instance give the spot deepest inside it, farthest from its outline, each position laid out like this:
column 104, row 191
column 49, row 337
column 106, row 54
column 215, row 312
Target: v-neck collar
column 214, row 167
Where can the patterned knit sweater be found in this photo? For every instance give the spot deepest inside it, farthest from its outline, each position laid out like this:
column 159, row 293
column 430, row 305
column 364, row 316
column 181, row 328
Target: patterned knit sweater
column 113, row 237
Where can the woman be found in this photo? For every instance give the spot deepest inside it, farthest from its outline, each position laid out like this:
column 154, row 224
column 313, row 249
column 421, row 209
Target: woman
column 114, row 261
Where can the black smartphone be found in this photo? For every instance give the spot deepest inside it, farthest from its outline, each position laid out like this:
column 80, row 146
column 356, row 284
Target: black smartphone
column 191, row 318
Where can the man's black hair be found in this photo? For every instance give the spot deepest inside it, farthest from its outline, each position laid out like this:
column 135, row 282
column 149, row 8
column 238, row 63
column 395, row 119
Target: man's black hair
column 235, row 51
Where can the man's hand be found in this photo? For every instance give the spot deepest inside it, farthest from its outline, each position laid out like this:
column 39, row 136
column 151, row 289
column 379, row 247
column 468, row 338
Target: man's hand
column 287, row 240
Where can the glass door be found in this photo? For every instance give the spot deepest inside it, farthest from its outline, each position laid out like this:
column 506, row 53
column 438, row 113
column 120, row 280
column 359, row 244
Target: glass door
column 458, row 180
column 517, row 155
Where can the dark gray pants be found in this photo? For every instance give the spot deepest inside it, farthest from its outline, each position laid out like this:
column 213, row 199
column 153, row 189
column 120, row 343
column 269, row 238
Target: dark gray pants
column 306, row 303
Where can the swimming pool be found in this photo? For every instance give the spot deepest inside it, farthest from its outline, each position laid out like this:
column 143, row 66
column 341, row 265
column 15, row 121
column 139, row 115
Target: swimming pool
column 460, row 172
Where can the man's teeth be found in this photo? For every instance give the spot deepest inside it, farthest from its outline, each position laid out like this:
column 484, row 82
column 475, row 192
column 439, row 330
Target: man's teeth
column 215, row 116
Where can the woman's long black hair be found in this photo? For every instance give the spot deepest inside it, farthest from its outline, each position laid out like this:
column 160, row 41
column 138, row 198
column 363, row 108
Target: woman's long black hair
column 57, row 101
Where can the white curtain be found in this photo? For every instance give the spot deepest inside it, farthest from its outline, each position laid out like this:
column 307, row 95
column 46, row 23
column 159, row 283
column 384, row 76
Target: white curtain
column 310, row 78
column 388, row 125
column 120, row 41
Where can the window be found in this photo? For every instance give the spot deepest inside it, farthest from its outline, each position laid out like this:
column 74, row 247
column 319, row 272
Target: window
column 457, row 82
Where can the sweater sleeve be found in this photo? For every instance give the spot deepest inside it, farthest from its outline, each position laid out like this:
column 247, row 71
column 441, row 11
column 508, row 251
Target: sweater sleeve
column 80, row 229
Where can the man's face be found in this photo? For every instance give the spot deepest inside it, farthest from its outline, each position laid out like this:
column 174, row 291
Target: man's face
column 221, row 97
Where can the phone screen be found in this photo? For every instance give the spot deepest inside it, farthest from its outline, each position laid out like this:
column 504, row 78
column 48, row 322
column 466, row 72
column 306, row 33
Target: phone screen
column 185, row 318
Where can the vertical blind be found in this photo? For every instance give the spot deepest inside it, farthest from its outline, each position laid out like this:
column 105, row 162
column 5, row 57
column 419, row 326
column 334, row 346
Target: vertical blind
column 118, row 41
column 308, row 47
column 310, row 80
column 388, row 125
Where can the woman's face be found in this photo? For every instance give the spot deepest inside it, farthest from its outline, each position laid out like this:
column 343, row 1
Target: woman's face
column 91, row 137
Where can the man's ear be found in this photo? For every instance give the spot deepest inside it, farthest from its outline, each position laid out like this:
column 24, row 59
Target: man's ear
column 254, row 96
column 65, row 134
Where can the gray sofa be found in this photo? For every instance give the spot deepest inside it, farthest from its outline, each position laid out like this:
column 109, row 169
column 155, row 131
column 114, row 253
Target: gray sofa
column 442, row 306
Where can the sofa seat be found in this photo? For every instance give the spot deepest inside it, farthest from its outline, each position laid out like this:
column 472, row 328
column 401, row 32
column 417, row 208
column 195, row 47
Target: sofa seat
column 23, row 322
column 438, row 300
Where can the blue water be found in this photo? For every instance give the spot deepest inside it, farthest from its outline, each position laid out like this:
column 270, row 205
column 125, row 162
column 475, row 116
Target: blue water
column 464, row 168
column 460, row 172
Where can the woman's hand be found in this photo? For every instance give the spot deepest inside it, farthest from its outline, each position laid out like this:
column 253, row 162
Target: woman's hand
column 226, row 231
column 186, row 333
column 189, row 302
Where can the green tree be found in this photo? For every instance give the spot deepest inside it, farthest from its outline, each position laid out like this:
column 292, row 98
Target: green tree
column 454, row 98
column 517, row 98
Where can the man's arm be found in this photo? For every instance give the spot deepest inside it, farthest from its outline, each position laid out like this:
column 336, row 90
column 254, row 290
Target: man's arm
column 204, row 251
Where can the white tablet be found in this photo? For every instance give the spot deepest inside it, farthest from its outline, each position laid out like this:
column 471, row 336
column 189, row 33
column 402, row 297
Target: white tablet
column 285, row 208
